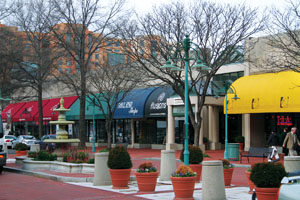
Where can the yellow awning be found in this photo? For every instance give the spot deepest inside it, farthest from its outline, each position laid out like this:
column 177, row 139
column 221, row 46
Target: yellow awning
column 266, row 93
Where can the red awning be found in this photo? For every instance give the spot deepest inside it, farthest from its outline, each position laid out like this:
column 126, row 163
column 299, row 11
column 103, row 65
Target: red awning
column 28, row 111
column 10, row 110
column 49, row 114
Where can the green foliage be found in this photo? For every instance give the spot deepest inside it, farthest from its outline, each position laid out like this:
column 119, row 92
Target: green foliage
column 32, row 154
column 196, row 155
column 45, row 156
column 119, row 158
column 267, row 175
column 103, row 150
column 91, row 161
column 240, row 139
column 206, row 155
column 75, row 157
column 184, row 171
column 226, row 164
column 21, row 147
column 65, row 156
column 146, row 167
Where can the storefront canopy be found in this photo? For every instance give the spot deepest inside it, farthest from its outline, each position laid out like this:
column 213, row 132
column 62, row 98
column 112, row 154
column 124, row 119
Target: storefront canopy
column 28, row 111
column 74, row 113
column 49, row 114
column 266, row 93
column 10, row 110
column 133, row 105
column 156, row 105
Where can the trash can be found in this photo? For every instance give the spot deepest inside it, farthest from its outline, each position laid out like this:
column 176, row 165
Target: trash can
column 233, row 151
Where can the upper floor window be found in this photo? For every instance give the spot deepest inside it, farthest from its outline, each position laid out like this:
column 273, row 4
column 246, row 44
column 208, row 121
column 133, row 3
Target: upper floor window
column 69, row 62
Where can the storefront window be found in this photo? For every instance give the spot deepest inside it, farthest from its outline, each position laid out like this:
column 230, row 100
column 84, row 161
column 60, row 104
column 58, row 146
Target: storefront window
column 161, row 132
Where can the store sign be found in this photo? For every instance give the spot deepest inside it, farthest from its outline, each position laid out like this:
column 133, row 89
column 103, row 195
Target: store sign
column 129, row 106
column 284, row 120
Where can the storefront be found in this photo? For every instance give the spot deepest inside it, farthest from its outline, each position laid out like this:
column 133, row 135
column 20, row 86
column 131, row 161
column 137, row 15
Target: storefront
column 267, row 102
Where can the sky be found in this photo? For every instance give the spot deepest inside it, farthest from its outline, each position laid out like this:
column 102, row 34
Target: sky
column 144, row 6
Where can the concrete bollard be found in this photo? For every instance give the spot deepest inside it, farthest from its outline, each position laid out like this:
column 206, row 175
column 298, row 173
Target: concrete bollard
column 167, row 164
column 35, row 147
column 213, row 187
column 5, row 147
column 291, row 163
column 101, row 173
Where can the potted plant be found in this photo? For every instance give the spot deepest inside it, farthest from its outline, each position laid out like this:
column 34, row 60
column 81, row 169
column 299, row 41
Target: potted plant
column 146, row 176
column 228, row 171
column 183, row 181
column 119, row 164
column 267, row 178
column 241, row 140
column 21, row 149
column 195, row 160
column 250, row 183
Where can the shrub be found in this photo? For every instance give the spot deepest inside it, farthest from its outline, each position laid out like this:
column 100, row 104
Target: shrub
column 205, row 140
column 91, row 161
column 226, row 164
column 240, row 139
column 65, row 156
column 267, row 175
column 184, row 171
column 32, row 154
column 103, row 150
column 21, row 147
column 146, row 167
column 119, row 158
column 45, row 156
column 196, row 155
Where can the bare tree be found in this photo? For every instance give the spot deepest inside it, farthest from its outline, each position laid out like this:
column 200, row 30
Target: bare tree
column 7, row 8
column 109, row 85
column 284, row 39
column 85, row 27
column 40, row 53
column 218, row 30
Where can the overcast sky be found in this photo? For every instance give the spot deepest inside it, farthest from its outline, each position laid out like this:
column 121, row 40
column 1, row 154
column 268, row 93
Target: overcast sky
column 144, row 6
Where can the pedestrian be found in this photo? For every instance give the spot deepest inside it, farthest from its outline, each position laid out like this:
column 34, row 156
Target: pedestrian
column 291, row 142
column 273, row 141
column 281, row 139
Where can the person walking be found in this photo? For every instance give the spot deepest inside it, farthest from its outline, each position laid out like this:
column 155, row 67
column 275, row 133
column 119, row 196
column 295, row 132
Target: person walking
column 291, row 142
column 273, row 141
column 281, row 139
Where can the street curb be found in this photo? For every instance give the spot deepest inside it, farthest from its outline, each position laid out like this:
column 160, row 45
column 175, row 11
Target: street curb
column 48, row 176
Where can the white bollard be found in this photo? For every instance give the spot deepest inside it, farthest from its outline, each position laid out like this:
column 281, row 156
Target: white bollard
column 101, row 173
column 213, row 186
column 5, row 147
column 291, row 163
column 35, row 147
column 167, row 164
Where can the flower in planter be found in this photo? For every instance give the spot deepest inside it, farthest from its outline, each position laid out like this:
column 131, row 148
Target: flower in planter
column 227, row 164
column 146, row 167
column 184, row 171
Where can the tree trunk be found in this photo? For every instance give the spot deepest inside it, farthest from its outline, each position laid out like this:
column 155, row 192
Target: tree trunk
column 108, row 123
column 40, row 105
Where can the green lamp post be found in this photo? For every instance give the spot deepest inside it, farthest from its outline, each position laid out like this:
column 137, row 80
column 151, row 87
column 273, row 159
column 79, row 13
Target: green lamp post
column 185, row 46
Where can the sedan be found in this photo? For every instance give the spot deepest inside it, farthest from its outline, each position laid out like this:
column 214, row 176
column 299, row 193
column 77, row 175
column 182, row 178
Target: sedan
column 8, row 140
column 289, row 188
column 25, row 139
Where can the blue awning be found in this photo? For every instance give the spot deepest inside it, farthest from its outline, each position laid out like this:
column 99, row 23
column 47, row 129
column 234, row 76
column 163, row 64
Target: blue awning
column 133, row 105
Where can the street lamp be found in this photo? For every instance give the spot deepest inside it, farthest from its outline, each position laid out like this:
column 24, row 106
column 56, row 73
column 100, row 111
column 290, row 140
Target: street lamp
column 227, row 88
column 25, row 114
column 93, row 147
column 185, row 46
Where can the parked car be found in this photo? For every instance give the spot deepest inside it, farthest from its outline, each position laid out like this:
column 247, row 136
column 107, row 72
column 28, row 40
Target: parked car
column 8, row 140
column 46, row 146
column 2, row 154
column 290, row 185
column 25, row 139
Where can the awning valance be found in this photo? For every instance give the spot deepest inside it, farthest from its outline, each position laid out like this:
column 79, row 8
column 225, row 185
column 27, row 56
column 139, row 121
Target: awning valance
column 11, row 110
column 266, row 93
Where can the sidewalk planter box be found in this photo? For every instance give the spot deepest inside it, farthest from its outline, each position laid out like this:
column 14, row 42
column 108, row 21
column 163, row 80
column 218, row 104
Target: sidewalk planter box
column 146, row 181
column 21, row 153
column 58, row 166
column 183, row 187
column 120, row 178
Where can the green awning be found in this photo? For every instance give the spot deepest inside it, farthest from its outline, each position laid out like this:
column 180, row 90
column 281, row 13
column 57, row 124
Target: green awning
column 74, row 113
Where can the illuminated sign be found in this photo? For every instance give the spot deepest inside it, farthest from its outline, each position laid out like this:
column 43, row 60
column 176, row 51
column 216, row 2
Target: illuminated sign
column 284, row 121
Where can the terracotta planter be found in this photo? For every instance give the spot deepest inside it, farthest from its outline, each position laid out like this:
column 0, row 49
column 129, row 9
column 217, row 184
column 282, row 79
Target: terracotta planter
column 21, row 153
column 146, row 181
column 183, row 187
column 266, row 193
column 250, row 183
column 198, row 169
column 228, row 176
column 120, row 178
column 241, row 146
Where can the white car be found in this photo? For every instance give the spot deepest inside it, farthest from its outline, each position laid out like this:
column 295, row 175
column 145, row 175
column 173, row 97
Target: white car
column 8, row 140
column 25, row 139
